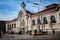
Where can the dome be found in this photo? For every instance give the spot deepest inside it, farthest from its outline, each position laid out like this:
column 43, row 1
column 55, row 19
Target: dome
column 23, row 4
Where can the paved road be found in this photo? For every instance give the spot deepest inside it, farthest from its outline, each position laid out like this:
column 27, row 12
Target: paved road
column 28, row 37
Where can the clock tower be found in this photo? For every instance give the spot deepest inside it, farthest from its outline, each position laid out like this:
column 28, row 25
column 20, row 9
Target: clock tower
column 23, row 5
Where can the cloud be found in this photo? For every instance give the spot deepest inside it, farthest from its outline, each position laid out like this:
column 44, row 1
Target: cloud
column 9, row 9
column 2, row 17
column 10, row 16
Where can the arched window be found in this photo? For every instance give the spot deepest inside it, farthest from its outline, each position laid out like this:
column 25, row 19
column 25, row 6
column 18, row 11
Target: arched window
column 45, row 20
column 10, row 27
column 53, row 19
column 33, row 22
column 38, row 21
column 14, row 25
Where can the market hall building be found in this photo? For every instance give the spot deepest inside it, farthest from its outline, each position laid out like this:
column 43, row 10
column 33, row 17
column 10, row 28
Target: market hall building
column 46, row 20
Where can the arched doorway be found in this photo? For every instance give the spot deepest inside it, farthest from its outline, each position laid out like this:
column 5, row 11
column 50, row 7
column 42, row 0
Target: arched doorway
column 23, row 30
column 23, row 26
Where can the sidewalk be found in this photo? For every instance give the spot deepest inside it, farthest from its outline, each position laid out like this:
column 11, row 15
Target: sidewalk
column 25, row 36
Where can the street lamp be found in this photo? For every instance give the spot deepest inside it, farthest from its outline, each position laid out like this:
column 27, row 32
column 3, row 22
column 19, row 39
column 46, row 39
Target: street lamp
column 38, row 15
column 38, row 9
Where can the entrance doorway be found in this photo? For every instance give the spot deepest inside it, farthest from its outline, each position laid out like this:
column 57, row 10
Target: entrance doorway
column 23, row 30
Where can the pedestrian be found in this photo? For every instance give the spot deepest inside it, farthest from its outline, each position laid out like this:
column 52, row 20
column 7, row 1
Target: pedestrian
column 35, row 32
column 53, row 31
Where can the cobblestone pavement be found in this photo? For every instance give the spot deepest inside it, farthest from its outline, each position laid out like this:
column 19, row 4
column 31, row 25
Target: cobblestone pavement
column 28, row 37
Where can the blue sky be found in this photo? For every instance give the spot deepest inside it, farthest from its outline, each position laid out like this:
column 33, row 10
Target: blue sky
column 9, row 9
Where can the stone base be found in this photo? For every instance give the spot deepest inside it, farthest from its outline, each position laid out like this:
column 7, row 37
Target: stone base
column 57, row 33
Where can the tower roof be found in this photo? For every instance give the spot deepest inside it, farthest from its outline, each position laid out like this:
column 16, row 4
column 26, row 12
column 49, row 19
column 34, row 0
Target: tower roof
column 23, row 4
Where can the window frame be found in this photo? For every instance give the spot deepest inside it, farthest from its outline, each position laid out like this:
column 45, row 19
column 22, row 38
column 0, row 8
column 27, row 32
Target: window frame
column 53, row 19
column 45, row 20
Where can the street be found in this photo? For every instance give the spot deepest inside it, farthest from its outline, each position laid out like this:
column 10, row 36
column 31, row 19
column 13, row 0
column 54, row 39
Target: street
column 28, row 37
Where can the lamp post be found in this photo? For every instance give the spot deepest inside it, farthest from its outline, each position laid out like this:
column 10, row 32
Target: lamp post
column 38, row 11
column 38, row 15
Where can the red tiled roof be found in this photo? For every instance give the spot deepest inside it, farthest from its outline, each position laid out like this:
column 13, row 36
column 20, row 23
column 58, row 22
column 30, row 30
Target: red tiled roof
column 48, row 9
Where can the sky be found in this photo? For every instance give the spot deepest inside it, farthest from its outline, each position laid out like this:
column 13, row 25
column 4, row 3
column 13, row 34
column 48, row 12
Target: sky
column 9, row 9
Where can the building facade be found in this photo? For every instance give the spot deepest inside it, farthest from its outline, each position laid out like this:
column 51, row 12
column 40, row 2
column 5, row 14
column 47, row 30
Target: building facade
column 3, row 26
column 47, row 19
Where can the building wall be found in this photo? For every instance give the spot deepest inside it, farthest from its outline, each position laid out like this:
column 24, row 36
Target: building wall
column 3, row 26
column 12, row 26
column 23, row 15
column 33, row 27
column 55, row 26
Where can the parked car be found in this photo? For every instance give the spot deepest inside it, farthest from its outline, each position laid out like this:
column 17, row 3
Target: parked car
column 34, row 32
column 38, row 32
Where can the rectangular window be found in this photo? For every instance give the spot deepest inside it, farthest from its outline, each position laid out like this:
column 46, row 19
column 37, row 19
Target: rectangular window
column 12, row 25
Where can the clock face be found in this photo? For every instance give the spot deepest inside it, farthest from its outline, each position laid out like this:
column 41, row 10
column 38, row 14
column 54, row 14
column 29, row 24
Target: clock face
column 22, row 5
